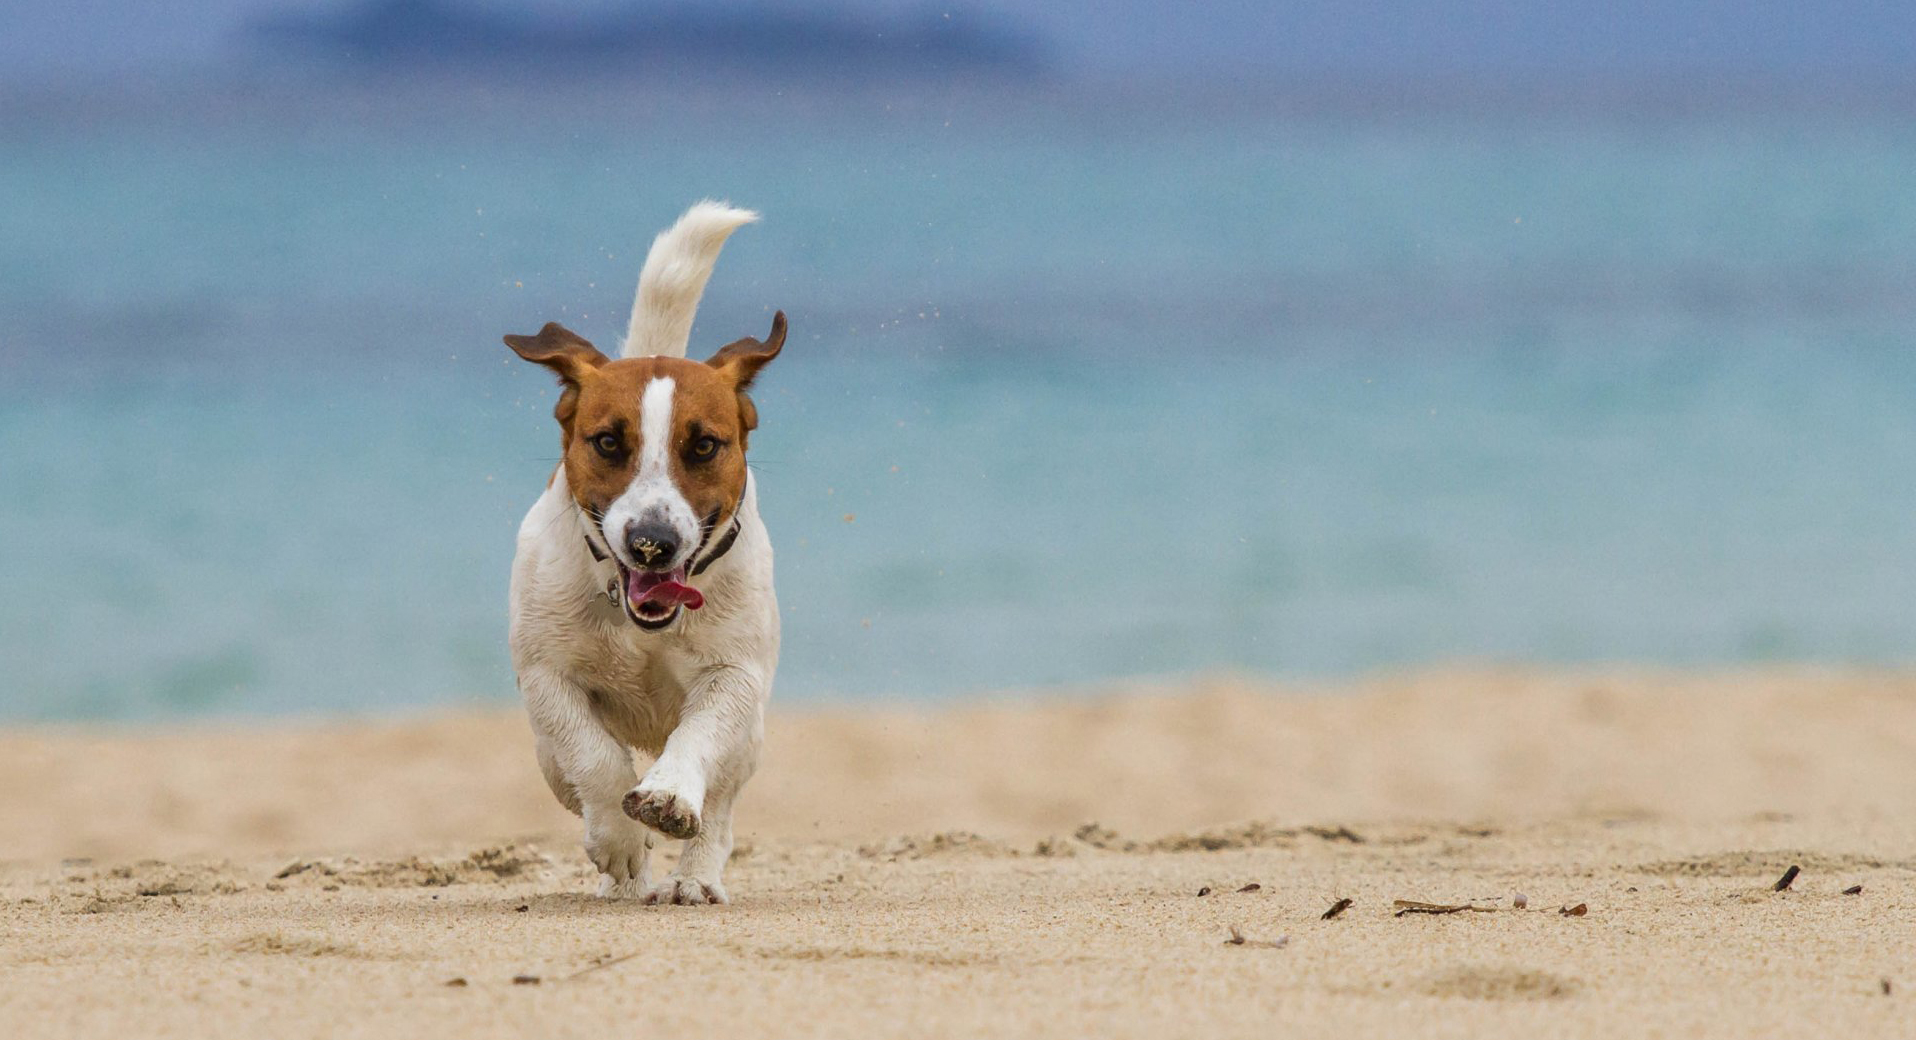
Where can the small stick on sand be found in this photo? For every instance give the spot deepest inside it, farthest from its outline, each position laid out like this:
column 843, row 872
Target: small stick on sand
column 1413, row 906
column 607, row 963
column 1789, row 876
column 1853, row 890
column 1336, row 908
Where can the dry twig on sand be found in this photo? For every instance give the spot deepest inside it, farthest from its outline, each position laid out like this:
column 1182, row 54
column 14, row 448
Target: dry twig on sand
column 607, row 963
column 1414, row 906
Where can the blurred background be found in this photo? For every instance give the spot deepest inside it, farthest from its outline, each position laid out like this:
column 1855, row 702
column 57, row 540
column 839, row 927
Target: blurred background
column 1301, row 339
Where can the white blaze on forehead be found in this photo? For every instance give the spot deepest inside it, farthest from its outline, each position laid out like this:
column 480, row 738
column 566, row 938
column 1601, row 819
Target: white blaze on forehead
column 652, row 489
column 655, row 431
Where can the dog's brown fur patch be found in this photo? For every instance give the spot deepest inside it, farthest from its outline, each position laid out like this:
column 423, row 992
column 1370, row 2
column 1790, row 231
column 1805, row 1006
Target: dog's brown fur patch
column 601, row 398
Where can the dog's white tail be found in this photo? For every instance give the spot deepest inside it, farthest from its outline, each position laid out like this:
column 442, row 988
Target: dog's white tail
column 674, row 278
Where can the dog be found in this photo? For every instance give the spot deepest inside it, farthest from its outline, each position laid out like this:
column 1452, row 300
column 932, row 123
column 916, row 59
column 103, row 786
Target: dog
column 642, row 609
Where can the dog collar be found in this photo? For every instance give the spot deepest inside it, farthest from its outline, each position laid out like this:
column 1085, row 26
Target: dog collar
column 723, row 546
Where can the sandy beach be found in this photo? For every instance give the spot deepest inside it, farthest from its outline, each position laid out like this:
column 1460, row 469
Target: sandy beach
column 1073, row 864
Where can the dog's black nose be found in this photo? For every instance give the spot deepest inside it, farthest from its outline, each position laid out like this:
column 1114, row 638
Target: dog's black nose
column 652, row 544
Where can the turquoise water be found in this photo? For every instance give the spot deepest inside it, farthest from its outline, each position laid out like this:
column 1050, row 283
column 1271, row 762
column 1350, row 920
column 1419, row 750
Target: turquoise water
column 1077, row 388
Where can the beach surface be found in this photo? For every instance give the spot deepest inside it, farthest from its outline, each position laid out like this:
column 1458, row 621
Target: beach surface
column 1154, row 860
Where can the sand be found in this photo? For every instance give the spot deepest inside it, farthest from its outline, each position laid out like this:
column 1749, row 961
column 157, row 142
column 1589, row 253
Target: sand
column 1028, row 867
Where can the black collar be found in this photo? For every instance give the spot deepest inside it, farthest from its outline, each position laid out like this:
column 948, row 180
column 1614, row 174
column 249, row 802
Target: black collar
column 723, row 546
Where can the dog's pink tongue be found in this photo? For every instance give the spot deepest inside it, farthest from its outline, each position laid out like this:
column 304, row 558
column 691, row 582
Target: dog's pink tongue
column 663, row 589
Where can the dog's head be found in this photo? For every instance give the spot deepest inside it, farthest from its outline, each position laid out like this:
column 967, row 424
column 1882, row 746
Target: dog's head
column 654, row 455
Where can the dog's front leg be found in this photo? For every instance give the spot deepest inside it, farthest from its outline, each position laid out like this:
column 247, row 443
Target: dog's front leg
column 598, row 769
column 688, row 792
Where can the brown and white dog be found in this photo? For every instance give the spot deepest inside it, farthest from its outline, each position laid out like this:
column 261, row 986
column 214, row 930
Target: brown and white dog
column 642, row 607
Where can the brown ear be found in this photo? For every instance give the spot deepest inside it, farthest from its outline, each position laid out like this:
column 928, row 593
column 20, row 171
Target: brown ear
column 559, row 349
column 566, row 353
column 742, row 359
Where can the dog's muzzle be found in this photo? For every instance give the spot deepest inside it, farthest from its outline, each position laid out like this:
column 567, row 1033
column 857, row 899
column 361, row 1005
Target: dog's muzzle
column 652, row 598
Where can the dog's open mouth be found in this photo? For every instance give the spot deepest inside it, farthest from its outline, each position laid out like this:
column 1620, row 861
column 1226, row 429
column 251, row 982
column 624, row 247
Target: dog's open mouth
column 653, row 598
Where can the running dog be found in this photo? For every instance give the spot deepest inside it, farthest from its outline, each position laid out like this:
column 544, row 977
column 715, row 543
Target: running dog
column 643, row 614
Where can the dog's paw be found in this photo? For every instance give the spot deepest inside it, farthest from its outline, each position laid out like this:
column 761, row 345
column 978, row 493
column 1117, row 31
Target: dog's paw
column 678, row 891
column 618, row 849
column 630, row 888
column 663, row 810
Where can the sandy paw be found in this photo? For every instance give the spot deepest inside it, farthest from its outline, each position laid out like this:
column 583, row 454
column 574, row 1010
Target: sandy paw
column 679, row 891
column 630, row 888
column 664, row 811
column 618, row 849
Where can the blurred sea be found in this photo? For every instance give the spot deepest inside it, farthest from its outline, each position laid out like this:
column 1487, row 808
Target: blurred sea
column 1078, row 387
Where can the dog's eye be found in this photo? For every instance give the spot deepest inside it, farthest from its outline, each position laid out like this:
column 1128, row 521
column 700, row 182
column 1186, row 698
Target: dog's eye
column 607, row 444
column 706, row 447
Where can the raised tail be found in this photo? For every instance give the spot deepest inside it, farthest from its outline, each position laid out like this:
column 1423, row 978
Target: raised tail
column 674, row 278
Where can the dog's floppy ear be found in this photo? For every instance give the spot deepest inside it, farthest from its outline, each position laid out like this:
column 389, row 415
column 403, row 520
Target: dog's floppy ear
column 559, row 349
column 566, row 353
column 741, row 359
